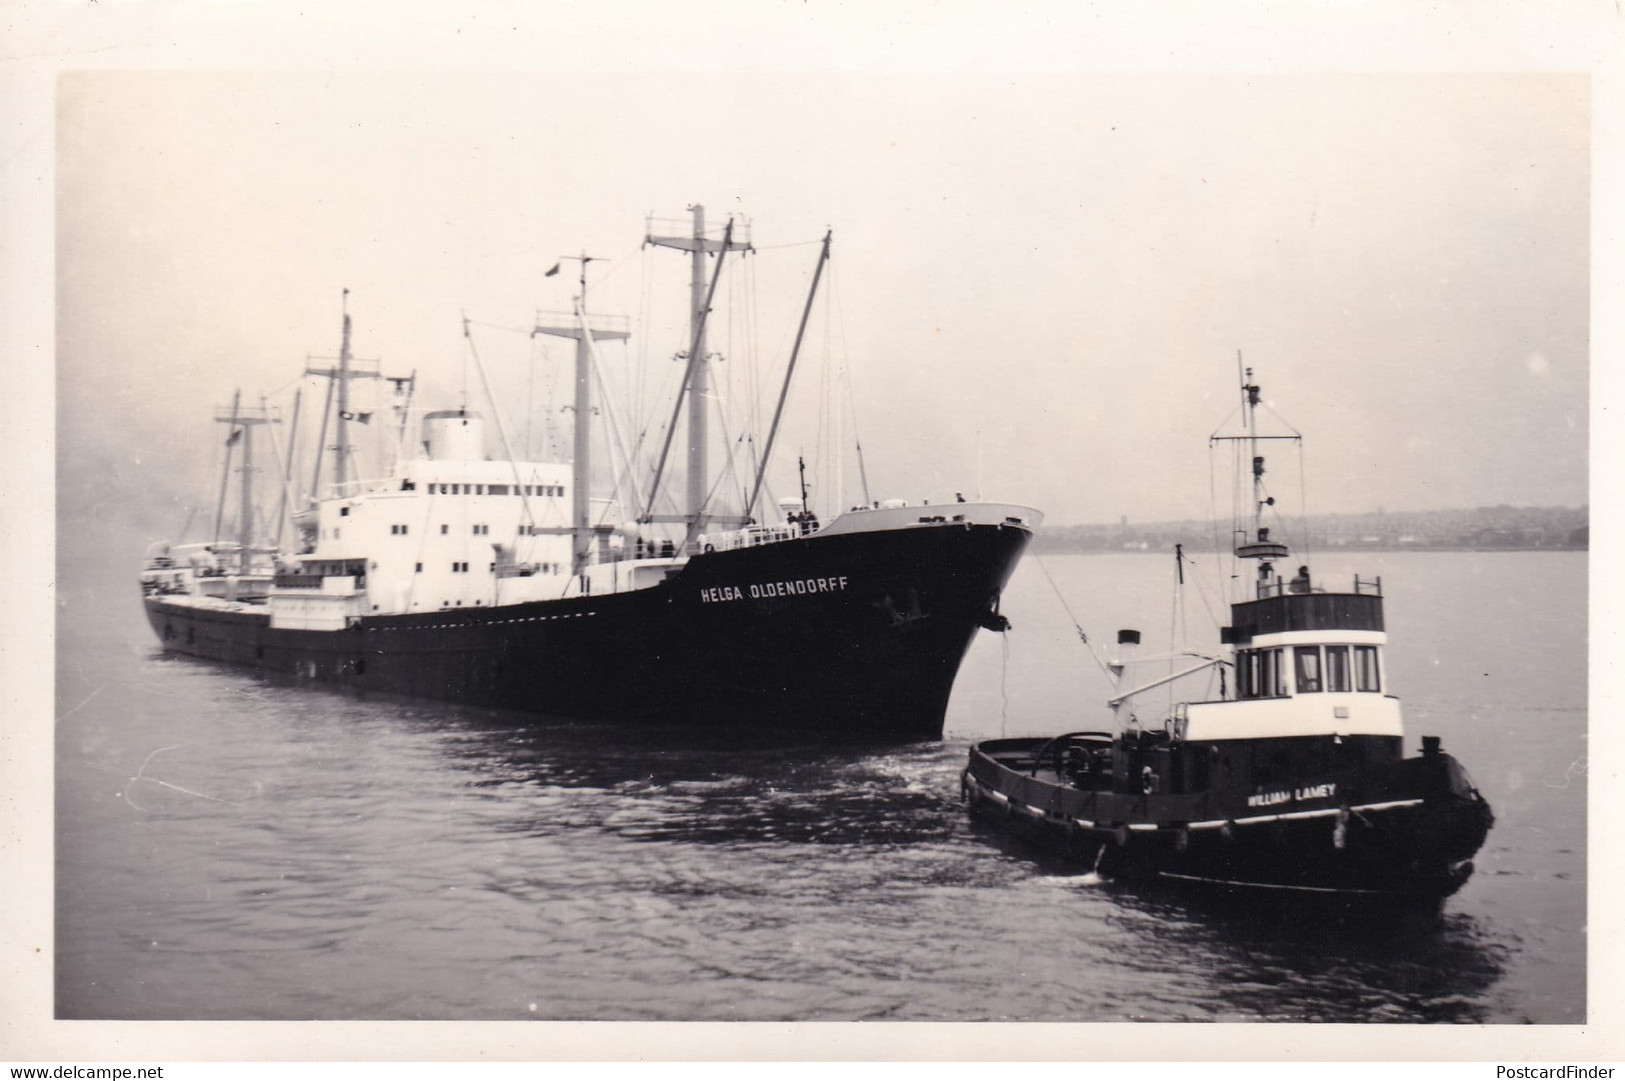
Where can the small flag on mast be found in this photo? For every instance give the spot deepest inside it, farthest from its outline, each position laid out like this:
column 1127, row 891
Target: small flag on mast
column 231, row 440
column 553, row 271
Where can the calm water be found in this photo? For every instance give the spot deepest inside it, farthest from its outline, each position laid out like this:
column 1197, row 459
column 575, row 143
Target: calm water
column 229, row 848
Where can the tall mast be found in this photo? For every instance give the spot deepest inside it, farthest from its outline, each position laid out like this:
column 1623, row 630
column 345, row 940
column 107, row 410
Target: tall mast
column 245, row 506
column 341, row 452
column 580, row 510
column 404, row 385
column 1249, row 405
column 225, row 474
column 339, row 378
column 287, row 467
column 242, row 424
column 700, row 388
column 581, row 469
column 698, row 384
column 1255, row 543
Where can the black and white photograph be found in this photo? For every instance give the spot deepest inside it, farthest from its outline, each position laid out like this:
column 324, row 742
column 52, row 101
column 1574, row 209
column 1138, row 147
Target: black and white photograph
column 824, row 539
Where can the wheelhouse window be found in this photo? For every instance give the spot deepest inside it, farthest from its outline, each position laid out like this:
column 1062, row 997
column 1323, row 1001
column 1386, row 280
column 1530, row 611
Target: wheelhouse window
column 1366, row 674
column 1272, row 673
column 1337, row 669
column 1307, row 659
column 1260, row 674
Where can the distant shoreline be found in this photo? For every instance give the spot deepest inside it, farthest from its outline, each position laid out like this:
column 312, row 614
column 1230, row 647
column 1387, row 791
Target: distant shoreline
column 1073, row 549
column 1481, row 529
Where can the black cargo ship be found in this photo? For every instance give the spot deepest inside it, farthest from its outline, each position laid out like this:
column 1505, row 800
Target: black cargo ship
column 488, row 580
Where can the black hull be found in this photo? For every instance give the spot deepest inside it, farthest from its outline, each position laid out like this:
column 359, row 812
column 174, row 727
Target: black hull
column 1407, row 834
column 864, row 642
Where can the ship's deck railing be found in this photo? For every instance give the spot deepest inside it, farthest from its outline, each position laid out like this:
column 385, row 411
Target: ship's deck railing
column 638, row 552
column 1281, row 587
column 298, row 581
column 749, row 537
column 354, row 487
column 754, row 536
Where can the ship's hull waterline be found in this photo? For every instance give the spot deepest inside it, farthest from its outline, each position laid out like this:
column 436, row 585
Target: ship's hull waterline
column 856, row 635
column 1404, row 833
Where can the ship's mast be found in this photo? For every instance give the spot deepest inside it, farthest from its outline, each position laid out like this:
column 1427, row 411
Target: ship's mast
column 579, row 329
column 1249, row 407
column 245, row 506
column 698, row 387
column 242, row 422
column 339, row 377
column 287, row 468
column 341, row 453
column 225, row 474
column 1255, row 543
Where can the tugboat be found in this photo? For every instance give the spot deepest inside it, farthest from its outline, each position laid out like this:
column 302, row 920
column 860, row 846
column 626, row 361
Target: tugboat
column 1292, row 781
column 470, row 574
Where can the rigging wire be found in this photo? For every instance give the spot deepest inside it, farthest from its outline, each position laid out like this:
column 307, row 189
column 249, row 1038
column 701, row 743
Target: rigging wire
column 285, row 387
column 1219, row 549
column 645, row 312
column 1201, row 593
column 473, row 351
column 851, row 394
column 729, row 470
column 629, row 467
column 281, row 467
column 1082, row 636
column 1303, row 498
column 530, row 394
column 836, row 370
column 791, row 244
column 822, row 437
column 525, row 331
column 753, row 345
column 1004, row 670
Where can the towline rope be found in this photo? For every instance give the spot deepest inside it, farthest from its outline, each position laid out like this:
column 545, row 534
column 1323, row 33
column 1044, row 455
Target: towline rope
column 1084, row 638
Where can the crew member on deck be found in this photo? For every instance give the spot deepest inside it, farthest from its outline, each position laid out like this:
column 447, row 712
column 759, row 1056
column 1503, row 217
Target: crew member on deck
column 1300, row 584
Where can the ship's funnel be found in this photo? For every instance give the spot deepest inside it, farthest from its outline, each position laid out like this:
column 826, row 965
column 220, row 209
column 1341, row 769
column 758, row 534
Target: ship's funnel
column 454, row 435
column 1127, row 642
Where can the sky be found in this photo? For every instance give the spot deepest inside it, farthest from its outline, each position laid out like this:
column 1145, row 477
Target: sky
column 1038, row 290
